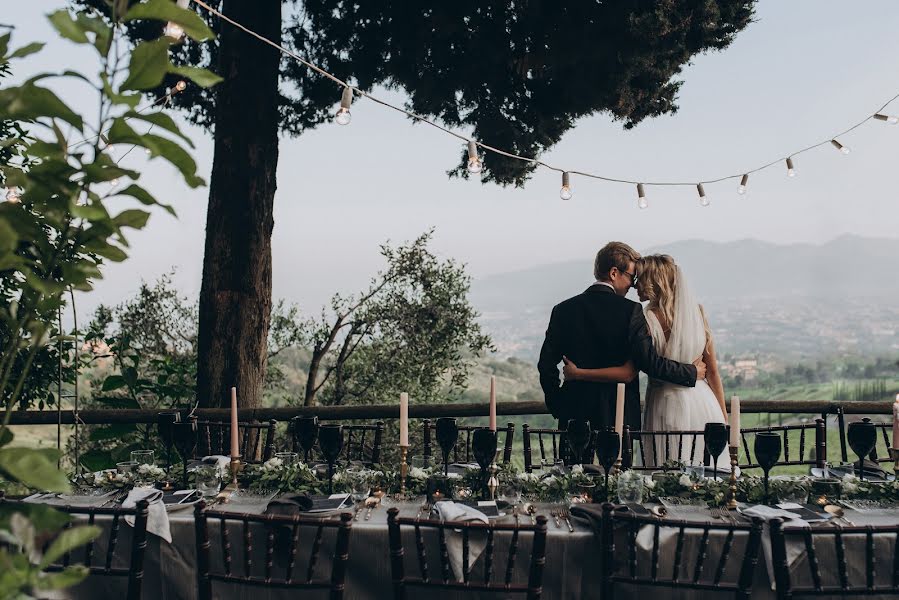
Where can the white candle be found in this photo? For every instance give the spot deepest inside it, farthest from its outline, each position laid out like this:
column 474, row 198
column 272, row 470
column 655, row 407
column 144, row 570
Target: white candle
column 404, row 419
column 735, row 421
column 235, row 444
column 896, row 422
column 493, row 403
column 619, row 416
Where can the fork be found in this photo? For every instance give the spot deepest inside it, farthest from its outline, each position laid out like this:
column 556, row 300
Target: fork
column 565, row 515
column 555, row 516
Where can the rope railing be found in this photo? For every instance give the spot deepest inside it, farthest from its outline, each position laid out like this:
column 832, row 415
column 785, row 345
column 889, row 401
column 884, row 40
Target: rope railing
column 421, row 411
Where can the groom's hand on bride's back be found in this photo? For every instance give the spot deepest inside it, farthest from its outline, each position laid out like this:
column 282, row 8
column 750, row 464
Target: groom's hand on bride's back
column 700, row 368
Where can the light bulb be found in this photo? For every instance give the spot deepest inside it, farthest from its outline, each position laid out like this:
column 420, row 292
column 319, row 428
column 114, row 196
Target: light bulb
column 743, row 181
column 891, row 119
column 741, row 190
column 12, row 195
column 642, row 203
column 641, row 197
column 114, row 183
column 703, row 199
column 791, row 172
column 565, row 192
column 148, row 152
column 343, row 115
column 174, row 31
column 840, row 147
column 181, row 85
column 111, row 148
column 474, row 163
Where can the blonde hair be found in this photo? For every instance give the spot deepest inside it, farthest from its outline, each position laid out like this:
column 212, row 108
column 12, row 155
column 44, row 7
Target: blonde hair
column 658, row 282
column 613, row 254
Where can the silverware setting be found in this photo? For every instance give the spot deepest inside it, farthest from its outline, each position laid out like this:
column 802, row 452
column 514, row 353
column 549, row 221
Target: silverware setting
column 370, row 504
column 565, row 515
column 555, row 514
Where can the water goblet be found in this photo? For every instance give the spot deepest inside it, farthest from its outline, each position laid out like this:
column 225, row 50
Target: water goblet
column 715, row 436
column 767, row 453
column 447, row 436
column 483, row 446
column 862, row 436
column 330, row 439
column 305, row 433
column 208, row 480
column 607, row 445
column 578, row 438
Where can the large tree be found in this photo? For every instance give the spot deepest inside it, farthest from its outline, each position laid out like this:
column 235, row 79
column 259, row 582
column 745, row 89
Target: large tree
column 518, row 74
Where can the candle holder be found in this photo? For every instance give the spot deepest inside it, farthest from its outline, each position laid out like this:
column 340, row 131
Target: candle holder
column 492, row 481
column 894, row 454
column 235, row 469
column 732, row 495
column 403, row 467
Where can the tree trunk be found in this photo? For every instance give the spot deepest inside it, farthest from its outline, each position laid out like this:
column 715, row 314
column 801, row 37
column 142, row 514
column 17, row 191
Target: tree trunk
column 236, row 293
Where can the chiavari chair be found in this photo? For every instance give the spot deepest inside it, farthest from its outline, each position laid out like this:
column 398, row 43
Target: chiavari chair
column 462, row 450
column 214, row 437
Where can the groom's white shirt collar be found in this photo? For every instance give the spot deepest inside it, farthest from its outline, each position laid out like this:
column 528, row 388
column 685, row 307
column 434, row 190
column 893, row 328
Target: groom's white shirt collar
column 605, row 283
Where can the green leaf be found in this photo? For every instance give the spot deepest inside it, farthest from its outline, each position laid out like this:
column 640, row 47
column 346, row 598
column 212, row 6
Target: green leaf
column 27, row 50
column 161, row 120
column 179, row 157
column 62, row 579
column 165, row 10
column 9, row 239
column 68, row 540
column 113, row 382
column 134, row 218
column 34, row 468
column 112, row 432
column 45, row 518
column 29, row 102
column 107, row 251
column 6, row 436
column 144, row 197
column 149, row 64
column 68, row 27
column 96, row 460
column 202, row 77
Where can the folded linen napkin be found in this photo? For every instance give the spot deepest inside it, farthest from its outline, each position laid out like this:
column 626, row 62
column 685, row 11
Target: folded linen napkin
column 447, row 510
column 157, row 517
column 289, row 504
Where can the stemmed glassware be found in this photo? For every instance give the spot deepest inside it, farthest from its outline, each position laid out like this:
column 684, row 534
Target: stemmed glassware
column 578, row 436
column 862, row 435
column 330, row 439
column 185, row 439
column 447, row 437
column 767, row 453
column 305, row 432
column 715, row 441
column 483, row 446
column 608, row 445
column 165, row 422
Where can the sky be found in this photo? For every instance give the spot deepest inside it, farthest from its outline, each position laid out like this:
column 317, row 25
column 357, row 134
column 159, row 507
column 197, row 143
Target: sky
column 806, row 69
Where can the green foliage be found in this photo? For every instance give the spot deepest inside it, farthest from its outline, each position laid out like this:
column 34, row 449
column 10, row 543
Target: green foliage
column 57, row 230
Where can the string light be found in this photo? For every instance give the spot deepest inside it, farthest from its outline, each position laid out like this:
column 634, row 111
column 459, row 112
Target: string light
column 13, row 195
column 840, row 147
column 343, row 115
column 474, row 163
column 743, row 181
column 703, row 200
column 565, row 192
column 641, row 197
column 172, row 29
column 181, row 86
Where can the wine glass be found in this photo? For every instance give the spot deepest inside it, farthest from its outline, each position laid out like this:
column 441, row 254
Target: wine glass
column 447, row 436
column 185, row 439
column 767, row 453
column 164, row 426
column 715, row 441
column 578, row 437
column 483, row 445
column 330, row 439
column 305, row 432
column 608, row 445
column 862, row 436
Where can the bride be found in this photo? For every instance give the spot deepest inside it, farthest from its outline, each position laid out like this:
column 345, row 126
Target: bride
column 680, row 332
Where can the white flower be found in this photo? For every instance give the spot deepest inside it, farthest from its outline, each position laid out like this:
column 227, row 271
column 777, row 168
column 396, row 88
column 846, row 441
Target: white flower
column 272, row 464
column 100, row 479
column 649, row 483
column 418, row 473
column 849, row 487
column 577, row 469
column 339, row 476
column 454, row 476
column 685, row 481
column 529, row 477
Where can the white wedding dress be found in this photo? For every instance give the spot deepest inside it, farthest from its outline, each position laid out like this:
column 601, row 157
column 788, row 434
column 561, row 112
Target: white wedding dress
column 671, row 407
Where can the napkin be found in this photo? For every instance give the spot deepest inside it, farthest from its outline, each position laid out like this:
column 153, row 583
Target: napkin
column 157, row 517
column 289, row 504
column 447, row 510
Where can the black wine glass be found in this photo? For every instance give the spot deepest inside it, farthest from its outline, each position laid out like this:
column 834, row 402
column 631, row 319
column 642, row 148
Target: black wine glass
column 862, row 435
column 330, row 439
column 608, row 445
column 767, row 453
column 715, row 436
column 483, row 446
column 165, row 422
column 184, row 435
column 447, row 437
column 305, row 433
column 578, row 438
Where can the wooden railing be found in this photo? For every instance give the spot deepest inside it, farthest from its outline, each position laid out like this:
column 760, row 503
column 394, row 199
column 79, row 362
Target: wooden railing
column 423, row 411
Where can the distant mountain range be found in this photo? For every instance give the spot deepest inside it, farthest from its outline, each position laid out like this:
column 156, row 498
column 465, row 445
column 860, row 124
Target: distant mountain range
column 741, row 281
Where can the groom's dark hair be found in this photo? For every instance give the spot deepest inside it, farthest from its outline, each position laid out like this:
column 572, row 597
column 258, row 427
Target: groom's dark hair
column 613, row 254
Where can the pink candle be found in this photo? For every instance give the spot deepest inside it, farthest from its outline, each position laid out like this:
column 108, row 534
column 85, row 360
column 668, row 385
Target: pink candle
column 493, row 403
column 235, row 444
column 404, row 419
column 619, row 416
column 896, row 422
column 735, row 421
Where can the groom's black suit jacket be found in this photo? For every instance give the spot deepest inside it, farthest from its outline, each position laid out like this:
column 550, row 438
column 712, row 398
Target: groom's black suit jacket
column 597, row 329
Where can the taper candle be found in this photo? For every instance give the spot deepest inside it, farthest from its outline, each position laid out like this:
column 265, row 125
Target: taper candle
column 404, row 419
column 896, row 422
column 235, row 444
column 735, row 421
column 619, row 415
column 493, row 403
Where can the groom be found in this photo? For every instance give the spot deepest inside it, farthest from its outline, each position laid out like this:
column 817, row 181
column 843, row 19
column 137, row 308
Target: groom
column 601, row 328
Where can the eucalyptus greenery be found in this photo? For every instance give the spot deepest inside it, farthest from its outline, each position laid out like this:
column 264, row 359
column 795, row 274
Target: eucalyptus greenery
column 62, row 220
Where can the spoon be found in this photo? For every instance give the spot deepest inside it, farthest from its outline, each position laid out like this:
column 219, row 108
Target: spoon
column 531, row 510
column 837, row 512
column 370, row 503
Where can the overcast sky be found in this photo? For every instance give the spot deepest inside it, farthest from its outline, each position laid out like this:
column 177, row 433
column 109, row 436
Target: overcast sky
column 805, row 70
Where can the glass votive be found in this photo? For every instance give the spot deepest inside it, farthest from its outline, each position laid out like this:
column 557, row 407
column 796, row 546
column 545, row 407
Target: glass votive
column 208, row 481
column 630, row 487
column 288, row 458
column 695, row 469
column 126, row 466
column 143, row 457
column 421, row 461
